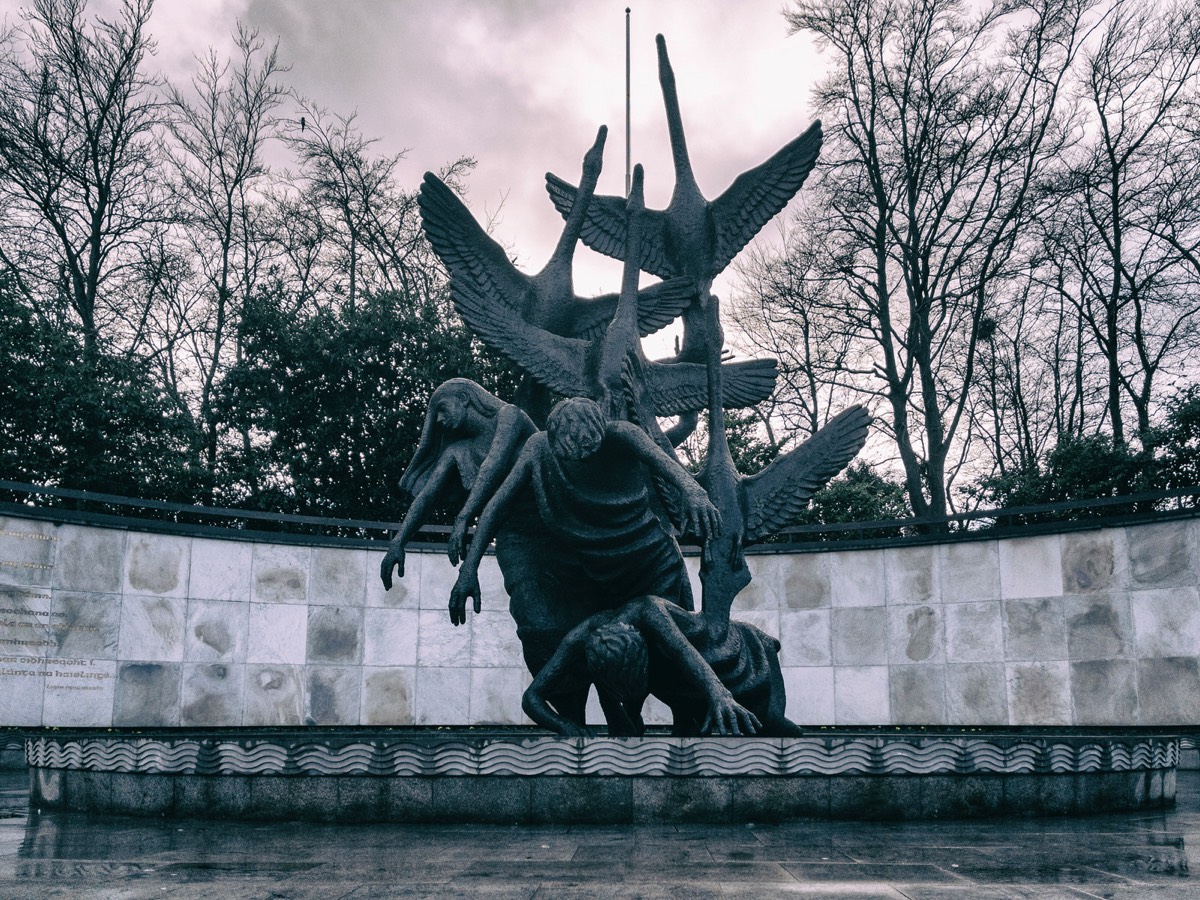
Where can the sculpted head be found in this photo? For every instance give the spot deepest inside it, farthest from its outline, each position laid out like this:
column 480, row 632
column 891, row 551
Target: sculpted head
column 454, row 400
column 618, row 661
column 575, row 428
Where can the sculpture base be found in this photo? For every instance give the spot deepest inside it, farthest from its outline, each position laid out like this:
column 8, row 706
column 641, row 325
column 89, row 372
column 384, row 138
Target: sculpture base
column 513, row 777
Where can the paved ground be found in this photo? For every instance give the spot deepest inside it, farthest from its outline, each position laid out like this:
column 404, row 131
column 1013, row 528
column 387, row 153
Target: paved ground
column 44, row 854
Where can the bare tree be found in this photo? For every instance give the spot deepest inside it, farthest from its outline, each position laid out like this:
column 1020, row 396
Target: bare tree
column 80, row 119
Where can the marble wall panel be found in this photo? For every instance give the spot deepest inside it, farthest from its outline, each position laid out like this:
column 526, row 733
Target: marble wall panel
column 89, row 559
column 405, row 592
column 279, row 574
column 157, row 565
column 976, row 694
column 1088, row 561
column 437, row 580
column 440, row 643
column 387, row 695
column 763, row 619
column 1166, row 622
column 335, row 635
column 147, row 694
column 85, row 625
column 974, row 631
column 216, row 631
column 1169, row 690
column 25, row 622
column 213, row 694
column 333, row 695
column 804, row 581
column 806, row 637
column 1104, row 692
column 152, row 628
column 860, row 636
column 22, row 684
column 496, row 696
column 443, row 696
column 79, row 693
column 276, row 633
column 918, row 695
column 809, row 691
column 338, row 577
column 1031, row 567
column 969, row 571
column 494, row 642
column 27, row 552
column 390, row 637
column 916, row 634
column 860, row 695
column 274, row 695
column 220, row 570
column 911, row 575
column 1161, row 555
column 857, row 579
column 1099, row 626
column 1039, row 693
column 1034, row 629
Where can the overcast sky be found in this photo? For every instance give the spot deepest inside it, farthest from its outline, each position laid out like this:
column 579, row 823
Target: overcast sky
column 522, row 86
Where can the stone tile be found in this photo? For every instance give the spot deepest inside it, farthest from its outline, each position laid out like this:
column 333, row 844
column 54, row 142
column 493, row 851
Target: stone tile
column 1161, row 555
column 1169, row 690
column 581, row 800
column 280, row 574
column 89, row 559
column 390, row 637
column 22, row 682
column 1166, row 622
column 809, row 691
column 765, row 587
column 27, row 551
column 1104, row 692
column 1031, row 567
column 1088, row 561
column 1039, row 693
column 763, row 619
column 85, row 625
column 79, row 693
column 860, row 695
column 220, row 570
column 860, row 636
column 25, row 622
column 976, row 694
column 681, row 800
column 916, row 635
column 443, row 696
column 406, row 589
column 152, row 628
column 655, row 712
column 1099, row 626
column 213, row 695
column 969, row 571
column 157, row 565
column 437, row 580
column 918, row 695
column 274, row 695
column 334, row 695
column 338, row 577
column 276, row 633
column 216, row 631
column 387, row 696
column 911, row 575
column 494, row 640
column 806, row 637
column 857, row 578
column 441, row 644
column 974, row 631
column 491, row 585
column 692, row 565
column 147, row 695
column 335, row 635
column 1034, row 629
column 496, row 696
column 806, row 581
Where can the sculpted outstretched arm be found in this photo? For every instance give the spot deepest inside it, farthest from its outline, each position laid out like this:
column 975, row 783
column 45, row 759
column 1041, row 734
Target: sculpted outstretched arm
column 467, row 584
column 513, row 428
column 414, row 518
column 558, row 675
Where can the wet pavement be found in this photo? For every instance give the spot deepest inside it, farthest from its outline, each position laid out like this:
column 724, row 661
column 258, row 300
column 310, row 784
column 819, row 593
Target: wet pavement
column 1129, row 855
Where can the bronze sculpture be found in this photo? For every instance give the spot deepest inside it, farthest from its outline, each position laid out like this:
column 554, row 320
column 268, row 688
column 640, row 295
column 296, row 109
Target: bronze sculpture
column 585, row 514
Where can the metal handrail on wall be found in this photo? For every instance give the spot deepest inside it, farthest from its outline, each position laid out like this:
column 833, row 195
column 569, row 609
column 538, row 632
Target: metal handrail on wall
column 110, row 510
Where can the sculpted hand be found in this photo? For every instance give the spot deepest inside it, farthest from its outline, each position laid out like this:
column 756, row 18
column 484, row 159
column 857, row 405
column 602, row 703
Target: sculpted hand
column 454, row 547
column 701, row 518
column 393, row 559
column 728, row 717
column 572, row 729
column 466, row 586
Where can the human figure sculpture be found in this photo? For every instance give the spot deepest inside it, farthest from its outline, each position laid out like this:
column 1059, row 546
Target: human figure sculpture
column 726, row 683
column 468, row 433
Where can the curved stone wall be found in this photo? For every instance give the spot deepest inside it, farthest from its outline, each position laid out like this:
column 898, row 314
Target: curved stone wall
column 103, row 627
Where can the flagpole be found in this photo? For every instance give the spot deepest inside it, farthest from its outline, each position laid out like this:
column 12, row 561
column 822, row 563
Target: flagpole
column 627, row 141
